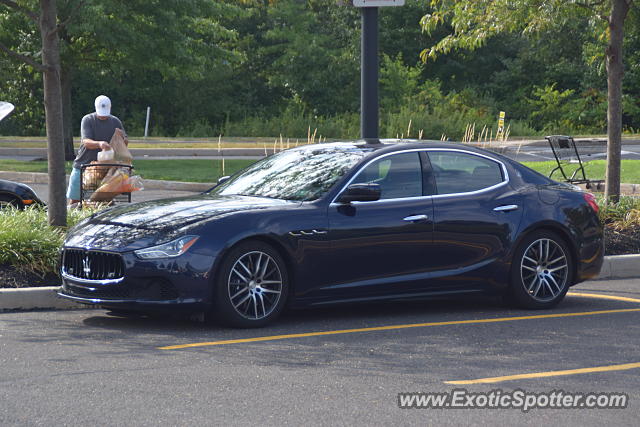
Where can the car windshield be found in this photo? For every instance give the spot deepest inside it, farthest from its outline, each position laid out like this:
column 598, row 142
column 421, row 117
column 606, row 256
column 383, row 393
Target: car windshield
column 301, row 174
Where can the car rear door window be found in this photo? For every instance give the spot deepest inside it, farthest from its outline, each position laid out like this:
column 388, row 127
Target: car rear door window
column 399, row 175
column 457, row 172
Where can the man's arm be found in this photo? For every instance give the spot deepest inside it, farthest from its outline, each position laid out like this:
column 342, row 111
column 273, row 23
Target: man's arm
column 95, row 145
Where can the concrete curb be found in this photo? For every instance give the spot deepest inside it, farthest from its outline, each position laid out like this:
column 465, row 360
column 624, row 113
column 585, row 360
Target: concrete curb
column 625, row 189
column 620, row 267
column 150, row 184
column 614, row 267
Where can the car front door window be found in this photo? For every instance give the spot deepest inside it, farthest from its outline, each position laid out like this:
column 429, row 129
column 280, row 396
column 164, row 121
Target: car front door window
column 398, row 175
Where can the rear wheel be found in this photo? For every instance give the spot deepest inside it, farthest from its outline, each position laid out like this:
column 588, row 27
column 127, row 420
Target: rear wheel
column 252, row 286
column 541, row 271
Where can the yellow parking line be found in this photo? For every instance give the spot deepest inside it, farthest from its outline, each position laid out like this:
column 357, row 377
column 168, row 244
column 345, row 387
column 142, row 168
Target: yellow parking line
column 394, row 327
column 622, row 367
column 613, row 297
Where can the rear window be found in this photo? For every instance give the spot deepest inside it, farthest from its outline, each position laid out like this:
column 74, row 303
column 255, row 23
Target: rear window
column 457, row 172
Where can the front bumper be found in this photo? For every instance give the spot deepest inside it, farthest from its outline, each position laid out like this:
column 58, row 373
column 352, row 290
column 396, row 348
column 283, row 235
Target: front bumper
column 178, row 282
column 134, row 303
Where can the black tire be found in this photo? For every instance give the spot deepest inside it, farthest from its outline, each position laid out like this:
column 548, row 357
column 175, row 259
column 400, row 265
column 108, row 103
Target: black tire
column 251, row 287
column 7, row 200
column 541, row 271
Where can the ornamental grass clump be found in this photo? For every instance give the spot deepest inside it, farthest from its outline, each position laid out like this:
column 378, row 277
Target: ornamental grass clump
column 622, row 215
column 27, row 241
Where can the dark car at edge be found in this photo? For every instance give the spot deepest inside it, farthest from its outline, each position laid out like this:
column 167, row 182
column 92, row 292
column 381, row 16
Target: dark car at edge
column 341, row 223
column 17, row 195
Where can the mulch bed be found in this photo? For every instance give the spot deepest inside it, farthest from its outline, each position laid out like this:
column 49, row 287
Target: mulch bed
column 622, row 242
column 11, row 278
column 617, row 243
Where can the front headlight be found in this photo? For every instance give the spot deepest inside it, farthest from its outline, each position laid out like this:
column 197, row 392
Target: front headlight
column 167, row 250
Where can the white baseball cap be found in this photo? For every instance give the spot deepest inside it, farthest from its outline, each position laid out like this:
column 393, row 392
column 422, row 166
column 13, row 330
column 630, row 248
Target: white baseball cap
column 103, row 106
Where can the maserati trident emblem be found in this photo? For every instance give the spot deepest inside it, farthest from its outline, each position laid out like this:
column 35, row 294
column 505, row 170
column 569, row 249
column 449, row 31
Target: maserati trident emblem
column 86, row 265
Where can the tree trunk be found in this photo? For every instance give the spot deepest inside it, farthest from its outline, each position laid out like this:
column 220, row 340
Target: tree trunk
column 53, row 112
column 67, row 119
column 615, row 72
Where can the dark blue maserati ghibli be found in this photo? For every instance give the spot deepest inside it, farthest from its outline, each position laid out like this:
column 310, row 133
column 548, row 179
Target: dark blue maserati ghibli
column 341, row 223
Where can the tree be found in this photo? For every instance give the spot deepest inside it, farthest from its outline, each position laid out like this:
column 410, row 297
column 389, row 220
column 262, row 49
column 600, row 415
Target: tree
column 47, row 23
column 313, row 50
column 132, row 46
column 473, row 22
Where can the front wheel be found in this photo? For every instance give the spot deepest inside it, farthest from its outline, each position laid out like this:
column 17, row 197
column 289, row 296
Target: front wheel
column 252, row 286
column 541, row 271
column 7, row 201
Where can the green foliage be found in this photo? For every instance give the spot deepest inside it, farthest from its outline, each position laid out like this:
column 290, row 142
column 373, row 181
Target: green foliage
column 29, row 243
column 199, row 128
column 263, row 68
column 551, row 106
column 295, row 123
column 314, row 58
column 398, row 82
column 474, row 22
column 621, row 215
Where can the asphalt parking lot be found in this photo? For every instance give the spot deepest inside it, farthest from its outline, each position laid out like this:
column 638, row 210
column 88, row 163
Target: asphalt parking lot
column 340, row 365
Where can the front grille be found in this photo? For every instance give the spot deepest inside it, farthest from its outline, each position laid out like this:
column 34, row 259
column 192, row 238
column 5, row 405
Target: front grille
column 92, row 265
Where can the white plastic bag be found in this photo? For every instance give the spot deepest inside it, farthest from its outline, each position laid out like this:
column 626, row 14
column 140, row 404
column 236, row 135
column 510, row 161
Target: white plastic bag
column 105, row 155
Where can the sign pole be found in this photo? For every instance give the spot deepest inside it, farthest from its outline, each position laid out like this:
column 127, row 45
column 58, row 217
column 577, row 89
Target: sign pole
column 369, row 111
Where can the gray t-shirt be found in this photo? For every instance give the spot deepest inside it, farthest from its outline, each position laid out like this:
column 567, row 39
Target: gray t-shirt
column 98, row 130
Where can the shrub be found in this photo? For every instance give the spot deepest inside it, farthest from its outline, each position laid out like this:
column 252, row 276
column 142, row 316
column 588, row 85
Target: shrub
column 622, row 215
column 29, row 243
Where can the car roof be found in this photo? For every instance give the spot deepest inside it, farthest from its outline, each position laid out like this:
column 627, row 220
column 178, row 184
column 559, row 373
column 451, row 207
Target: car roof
column 390, row 145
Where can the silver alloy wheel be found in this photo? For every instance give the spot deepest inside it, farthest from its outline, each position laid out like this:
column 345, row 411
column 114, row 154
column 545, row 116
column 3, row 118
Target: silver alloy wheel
column 254, row 285
column 6, row 204
column 544, row 269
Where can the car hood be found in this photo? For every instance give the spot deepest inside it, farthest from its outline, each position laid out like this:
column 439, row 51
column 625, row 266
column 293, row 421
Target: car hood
column 144, row 224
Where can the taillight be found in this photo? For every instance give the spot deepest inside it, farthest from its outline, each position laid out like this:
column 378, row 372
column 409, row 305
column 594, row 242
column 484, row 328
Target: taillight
column 591, row 199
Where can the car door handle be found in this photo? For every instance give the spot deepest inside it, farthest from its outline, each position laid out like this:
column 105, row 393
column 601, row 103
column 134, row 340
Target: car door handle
column 505, row 208
column 416, row 218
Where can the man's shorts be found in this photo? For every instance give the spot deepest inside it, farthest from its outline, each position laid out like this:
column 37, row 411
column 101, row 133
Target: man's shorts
column 73, row 190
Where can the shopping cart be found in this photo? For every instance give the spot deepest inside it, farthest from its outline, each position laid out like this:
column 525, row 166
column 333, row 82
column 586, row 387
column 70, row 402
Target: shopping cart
column 568, row 160
column 91, row 178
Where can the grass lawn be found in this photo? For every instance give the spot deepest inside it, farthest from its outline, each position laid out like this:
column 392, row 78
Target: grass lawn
column 188, row 170
column 595, row 170
column 207, row 170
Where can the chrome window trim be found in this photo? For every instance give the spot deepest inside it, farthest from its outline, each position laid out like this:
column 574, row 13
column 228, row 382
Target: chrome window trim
column 433, row 196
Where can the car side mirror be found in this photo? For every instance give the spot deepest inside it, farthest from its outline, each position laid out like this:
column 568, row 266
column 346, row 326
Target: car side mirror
column 361, row 193
column 223, row 179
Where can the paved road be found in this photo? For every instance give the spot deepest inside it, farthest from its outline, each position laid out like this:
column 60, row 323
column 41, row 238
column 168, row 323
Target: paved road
column 85, row 367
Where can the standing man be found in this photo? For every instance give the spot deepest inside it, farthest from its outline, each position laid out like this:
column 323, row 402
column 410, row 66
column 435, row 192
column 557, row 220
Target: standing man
column 96, row 131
